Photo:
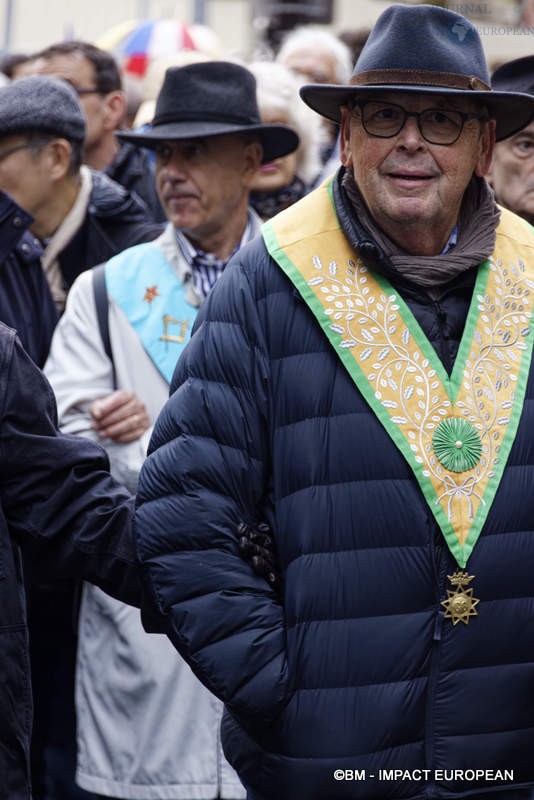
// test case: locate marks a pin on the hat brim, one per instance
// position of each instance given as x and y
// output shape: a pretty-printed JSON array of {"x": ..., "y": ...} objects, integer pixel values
[
  {"x": 276, "y": 140},
  {"x": 511, "y": 110}
]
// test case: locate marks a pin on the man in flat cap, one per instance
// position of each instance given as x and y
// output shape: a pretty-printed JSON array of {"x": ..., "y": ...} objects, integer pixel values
[
  {"x": 81, "y": 216},
  {"x": 360, "y": 379},
  {"x": 151, "y": 722}
]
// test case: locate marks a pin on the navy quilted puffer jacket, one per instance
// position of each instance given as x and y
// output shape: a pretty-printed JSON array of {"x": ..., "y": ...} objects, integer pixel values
[{"x": 356, "y": 669}]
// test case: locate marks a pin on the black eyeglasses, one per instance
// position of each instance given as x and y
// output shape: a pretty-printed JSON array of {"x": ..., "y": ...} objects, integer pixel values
[
  {"x": 436, "y": 125},
  {"x": 32, "y": 145},
  {"x": 89, "y": 90}
]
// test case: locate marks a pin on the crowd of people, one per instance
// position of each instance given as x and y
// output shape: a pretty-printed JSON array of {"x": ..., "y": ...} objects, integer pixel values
[{"x": 266, "y": 502}]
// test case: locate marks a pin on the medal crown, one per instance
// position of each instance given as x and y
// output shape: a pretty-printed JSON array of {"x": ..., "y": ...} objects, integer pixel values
[{"x": 460, "y": 579}]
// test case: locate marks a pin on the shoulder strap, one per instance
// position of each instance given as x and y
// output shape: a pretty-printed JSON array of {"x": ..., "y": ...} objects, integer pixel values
[{"x": 101, "y": 303}]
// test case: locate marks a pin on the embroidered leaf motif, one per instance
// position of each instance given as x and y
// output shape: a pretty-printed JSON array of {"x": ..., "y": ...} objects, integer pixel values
[
  {"x": 317, "y": 262},
  {"x": 332, "y": 268},
  {"x": 337, "y": 328},
  {"x": 317, "y": 280}
]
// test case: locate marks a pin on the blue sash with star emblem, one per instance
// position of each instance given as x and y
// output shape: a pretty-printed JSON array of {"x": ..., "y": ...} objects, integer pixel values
[{"x": 142, "y": 282}]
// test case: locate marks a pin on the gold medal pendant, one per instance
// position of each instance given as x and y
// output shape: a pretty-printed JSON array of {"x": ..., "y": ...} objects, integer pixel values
[{"x": 460, "y": 603}]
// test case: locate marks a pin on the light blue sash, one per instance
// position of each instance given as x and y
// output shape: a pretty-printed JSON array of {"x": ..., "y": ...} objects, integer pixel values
[{"x": 142, "y": 282}]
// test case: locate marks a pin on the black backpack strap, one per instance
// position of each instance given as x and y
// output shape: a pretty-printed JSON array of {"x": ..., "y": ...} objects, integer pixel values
[{"x": 102, "y": 312}]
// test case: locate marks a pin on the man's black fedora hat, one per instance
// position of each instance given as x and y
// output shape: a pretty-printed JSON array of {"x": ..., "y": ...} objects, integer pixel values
[
  {"x": 515, "y": 76},
  {"x": 207, "y": 99},
  {"x": 424, "y": 49}
]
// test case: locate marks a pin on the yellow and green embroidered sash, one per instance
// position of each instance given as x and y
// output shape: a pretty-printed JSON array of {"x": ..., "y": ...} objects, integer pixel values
[{"x": 455, "y": 432}]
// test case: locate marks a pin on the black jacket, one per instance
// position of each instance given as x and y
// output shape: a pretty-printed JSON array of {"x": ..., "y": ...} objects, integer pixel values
[
  {"x": 59, "y": 503},
  {"x": 134, "y": 170},
  {"x": 356, "y": 669},
  {"x": 25, "y": 300},
  {"x": 115, "y": 220}
]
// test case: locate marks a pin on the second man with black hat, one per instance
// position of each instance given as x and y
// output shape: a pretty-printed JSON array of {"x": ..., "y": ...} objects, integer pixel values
[{"x": 144, "y": 719}]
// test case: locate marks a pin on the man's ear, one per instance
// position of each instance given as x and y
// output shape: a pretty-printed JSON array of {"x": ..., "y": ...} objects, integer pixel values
[
  {"x": 344, "y": 138},
  {"x": 114, "y": 110},
  {"x": 253, "y": 155},
  {"x": 487, "y": 147},
  {"x": 58, "y": 153}
]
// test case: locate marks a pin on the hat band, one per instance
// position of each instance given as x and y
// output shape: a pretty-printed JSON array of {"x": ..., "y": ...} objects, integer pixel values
[
  {"x": 203, "y": 116},
  {"x": 444, "y": 80}
]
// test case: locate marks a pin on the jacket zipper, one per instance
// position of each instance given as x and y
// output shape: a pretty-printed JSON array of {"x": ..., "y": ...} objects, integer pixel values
[{"x": 439, "y": 568}]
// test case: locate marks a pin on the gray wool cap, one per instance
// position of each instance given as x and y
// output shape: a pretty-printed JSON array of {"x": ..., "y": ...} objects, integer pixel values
[{"x": 41, "y": 103}]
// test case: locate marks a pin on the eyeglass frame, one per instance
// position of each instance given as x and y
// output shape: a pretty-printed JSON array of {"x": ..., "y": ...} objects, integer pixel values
[
  {"x": 29, "y": 145},
  {"x": 465, "y": 117},
  {"x": 81, "y": 91}
]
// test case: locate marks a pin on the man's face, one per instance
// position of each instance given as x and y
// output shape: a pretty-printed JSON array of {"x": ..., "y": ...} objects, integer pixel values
[
  {"x": 77, "y": 70},
  {"x": 512, "y": 173},
  {"x": 414, "y": 189},
  {"x": 276, "y": 174},
  {"x": 24, "y": 172},
  {"x": 203, "y": 183}
]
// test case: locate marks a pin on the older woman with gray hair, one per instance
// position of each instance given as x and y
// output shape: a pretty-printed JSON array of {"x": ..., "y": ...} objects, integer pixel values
[{"x": 280, "y": 183}]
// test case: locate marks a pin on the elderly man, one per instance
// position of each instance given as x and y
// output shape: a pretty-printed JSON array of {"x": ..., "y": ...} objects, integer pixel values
[
  {"x": 512, "y": 169},
  {"x": 360, "y": 379},
  {"x": 95, "y": 77},
  {"x": 143, "y": 718},
  {"x": 80, "y": 215}
]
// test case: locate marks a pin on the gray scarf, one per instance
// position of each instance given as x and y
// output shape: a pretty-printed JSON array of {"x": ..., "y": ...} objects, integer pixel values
[{"x": 479, "y": 217}]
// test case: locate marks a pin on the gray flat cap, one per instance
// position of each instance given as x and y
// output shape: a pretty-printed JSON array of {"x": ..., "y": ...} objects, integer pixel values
[{"x": 41, "y": 103}]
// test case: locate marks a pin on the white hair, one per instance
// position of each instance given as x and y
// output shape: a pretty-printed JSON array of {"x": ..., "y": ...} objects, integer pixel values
[
  {"x": 315, "y": 39},
  {"x": 277, "y": 92}
]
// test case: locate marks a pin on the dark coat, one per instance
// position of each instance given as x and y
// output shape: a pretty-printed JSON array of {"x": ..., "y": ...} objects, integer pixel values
[
  {"x": 115, "y": 220},
  {"x": 59, "y": 503},
  {"x": 25, "y": 300},
  {"x": 356, "y": 670},
  {"x": 134, "y": 169}
]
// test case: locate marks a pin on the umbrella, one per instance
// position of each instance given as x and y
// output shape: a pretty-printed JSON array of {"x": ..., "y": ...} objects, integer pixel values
[
  {"x": 111, "y": 38},
  {"x": 152, "y": 39}
]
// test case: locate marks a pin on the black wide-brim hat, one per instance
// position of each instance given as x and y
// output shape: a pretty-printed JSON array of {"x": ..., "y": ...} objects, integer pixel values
[
  {"x": 424, "y": 50},
  {"x": 210, "y": 98},
  {"x": 515, "y": 76}
]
